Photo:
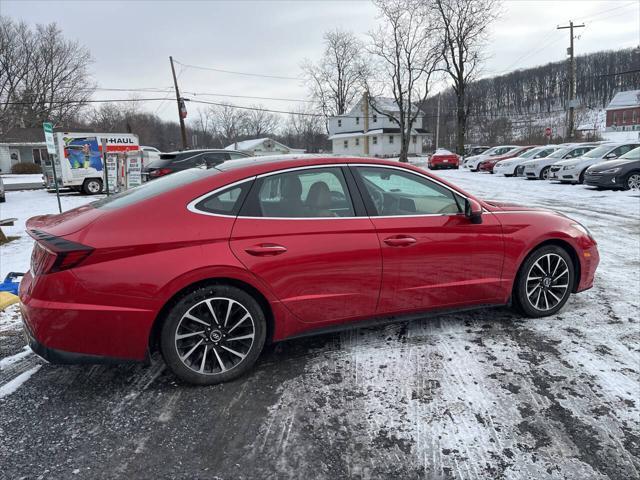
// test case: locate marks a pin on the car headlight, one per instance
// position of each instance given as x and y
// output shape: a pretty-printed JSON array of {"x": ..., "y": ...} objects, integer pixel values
[
  {"x": 568, "y": 167},
  {"x": 583, "y": 229},
  {"x": 533, "y": 165},
  {"x": 611, "y": 170}
]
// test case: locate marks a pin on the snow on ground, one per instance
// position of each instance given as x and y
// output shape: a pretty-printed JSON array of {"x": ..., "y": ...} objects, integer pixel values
[
  {"x": 475, "y": 395},
  {"x": 15, "y": 256},
  {"x": 13, "y": 178}
]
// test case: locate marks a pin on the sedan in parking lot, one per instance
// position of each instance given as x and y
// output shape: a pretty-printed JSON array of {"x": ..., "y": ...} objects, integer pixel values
[
  {"x": 208, "y": 265},
  {"x": 508, "y": 167},
  {"x": 472, "y": 162},
  {"x": 539, "y": 168},
  {"x": 573, "y": 171},
  {"x": 488, "y": 164},
  {"x": 178, "y": 161},
  {"x": 443, "y": 159},
  {"x": 623, "y": 173}
]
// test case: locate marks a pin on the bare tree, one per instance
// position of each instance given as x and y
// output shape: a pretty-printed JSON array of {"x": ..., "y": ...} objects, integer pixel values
[
  {"x": 304, "y": 129},
  {"x": 227, "y": 121},
  {"x": 406, "y": 48},
  {"x": 43, "y": 76},
  {"x": 464, "y": 27},
  {"x": 260, "y": 122},
  {"x": 334, "y": 81}
]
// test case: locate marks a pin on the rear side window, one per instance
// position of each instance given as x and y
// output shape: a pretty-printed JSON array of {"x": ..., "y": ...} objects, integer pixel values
[
  {"x": 225, "y": 202},
  {"x": 153, "y": 189}
]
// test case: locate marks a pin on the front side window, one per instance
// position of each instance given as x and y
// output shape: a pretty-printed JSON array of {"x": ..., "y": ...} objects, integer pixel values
[
  {"x": 308, "y": 193},
  {"x": 623, "y": 149},
  {"x": 396, "y": 193}
]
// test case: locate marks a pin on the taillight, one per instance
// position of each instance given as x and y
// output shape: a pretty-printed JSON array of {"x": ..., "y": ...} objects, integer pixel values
[
  {"x": 159, "y": 172},
  {"x": 53, "y": 254}
]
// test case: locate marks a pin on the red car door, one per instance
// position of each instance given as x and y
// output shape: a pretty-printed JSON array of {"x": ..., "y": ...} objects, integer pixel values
[
  {"x": 433, "y": 256},
  {"x": 299, "y": 231}
]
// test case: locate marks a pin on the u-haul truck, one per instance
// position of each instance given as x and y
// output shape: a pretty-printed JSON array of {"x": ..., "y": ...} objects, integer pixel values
[{"x": 79, "y": 160}]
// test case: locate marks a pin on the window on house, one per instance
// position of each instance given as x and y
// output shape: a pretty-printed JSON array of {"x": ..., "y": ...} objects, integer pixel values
[
  {"x": 375, "y": 140},
  {"x": 635, "y": 116},
  {"x": 390, "y": 138},
  {"x": 339, "y": 123},
  {"x": 414, "y": 139},
  {"x": 375, "y": 118},
  {"x": 615, "y": 118},
  {"x": 357, "y": 142},
  {"x": 346, "y": 144},
  {"x": 624, "y": 117},
  {"x": 357, "y": 120},
  {"x": 40, "y": 155}
]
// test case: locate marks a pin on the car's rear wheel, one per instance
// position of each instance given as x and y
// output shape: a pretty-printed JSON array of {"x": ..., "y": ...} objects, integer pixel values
[
  {"x": 632, "y": 181},
  {"x": 544, "y": 173},
  {"x": 545, "y": 282},
  {"x": 92, "y": 186},
  {"x": 213, "y": 334}
]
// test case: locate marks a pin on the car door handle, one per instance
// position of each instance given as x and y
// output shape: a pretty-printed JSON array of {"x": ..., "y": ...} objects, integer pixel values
[
  {"x": 265, "y": 250},
  {"x": 400, "y": 241}
]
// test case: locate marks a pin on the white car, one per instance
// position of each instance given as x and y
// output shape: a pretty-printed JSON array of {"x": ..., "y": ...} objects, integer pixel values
[
  {"x": 572, "y": 171},
  {"x": 539, "y": 168},
  {"x": 473, "y": 162},
  {"x": 508, "y": 167}
]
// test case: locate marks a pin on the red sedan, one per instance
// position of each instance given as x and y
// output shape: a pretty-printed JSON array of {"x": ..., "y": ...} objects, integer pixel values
[
  {"x": 208, "y": 265},
  {"x": 443, "y": 159},
  {"x": 488, "y": 164}
]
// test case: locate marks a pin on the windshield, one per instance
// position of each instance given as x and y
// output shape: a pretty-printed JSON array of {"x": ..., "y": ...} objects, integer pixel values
[
  {"x": 631, "y": 155},
  {"x": 153, "y": 188},
  {"x": 501, "y": 150},
  {"x": 599, "y": 152},
  {"x": 531, "y": 153},
  {"x": 559, "y": 153},
  {"x": 491, "y": 151}
]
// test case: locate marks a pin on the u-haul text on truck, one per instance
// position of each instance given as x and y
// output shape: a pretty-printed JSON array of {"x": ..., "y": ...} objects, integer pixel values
[{"x": 80, "y": 166}]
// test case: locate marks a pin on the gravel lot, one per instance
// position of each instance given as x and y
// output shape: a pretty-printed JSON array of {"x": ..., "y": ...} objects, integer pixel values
[{"x": 476, "y": 395}]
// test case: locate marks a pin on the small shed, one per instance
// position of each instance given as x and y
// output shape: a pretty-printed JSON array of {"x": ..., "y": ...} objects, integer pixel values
[{"x": 263, "y": 146}]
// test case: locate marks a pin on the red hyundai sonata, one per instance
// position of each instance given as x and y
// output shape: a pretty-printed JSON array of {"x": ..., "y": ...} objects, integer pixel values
[{"x": 208, "y": 265}]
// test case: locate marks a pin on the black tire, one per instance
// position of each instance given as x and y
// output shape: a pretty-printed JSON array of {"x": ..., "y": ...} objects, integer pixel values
[
  {"x": 3, "y": 199},
  {"x": 533, "y": 305},
  {"x": 92, "y": 186},
  {"x": 581, "y": 177},
  {"x": 220, "y": 360},
  {"x": 631, "y": 179},
  {"x": 544, "y": 173}
]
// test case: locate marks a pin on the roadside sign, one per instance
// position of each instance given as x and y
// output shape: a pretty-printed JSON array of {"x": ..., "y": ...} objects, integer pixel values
[{"x": 48, "y": 137}]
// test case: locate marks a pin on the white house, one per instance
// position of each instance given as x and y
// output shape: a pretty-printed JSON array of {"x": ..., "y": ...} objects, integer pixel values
[
  {"x": 371, "y": 132},
  {"x": 263, "y": 146},
  {"x": 22, "y": 145}
]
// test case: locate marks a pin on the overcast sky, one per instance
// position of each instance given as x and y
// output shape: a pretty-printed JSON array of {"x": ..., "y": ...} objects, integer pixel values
[{"x": 131, "y": 41}]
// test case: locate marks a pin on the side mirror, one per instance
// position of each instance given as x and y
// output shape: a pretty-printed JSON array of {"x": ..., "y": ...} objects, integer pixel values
[
  {"x": 473, "y": 211},
  {"x": 611, "y": 155}
]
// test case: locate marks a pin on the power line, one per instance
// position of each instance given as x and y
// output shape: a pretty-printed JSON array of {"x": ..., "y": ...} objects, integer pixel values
[
  {"x": 231, "y": 72},
  {"x": 202, "y": 94}
]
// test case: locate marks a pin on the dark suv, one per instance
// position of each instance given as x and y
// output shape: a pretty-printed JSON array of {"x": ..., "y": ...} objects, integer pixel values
[{"x": 175, "y": 161}]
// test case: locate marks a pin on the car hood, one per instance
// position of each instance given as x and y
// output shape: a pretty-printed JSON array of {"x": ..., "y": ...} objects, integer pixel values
[
  {"x": 612, "y": 164},
  {"x": 510, "y": 207},
  {"x": 570, "y": 161}
]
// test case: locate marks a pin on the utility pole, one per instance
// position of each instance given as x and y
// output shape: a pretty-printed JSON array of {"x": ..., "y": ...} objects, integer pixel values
[
  {"x": 572, "y": 75},
  {"x": 438, "y": 122},
  {"x": 182, "y": 111}
]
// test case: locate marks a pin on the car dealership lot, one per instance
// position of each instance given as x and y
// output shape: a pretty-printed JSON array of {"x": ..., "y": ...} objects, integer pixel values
[{"x": 476, "y": 395}]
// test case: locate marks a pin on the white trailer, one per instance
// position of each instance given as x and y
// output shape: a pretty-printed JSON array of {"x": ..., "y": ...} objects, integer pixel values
[{"x": 79, "y": 160}]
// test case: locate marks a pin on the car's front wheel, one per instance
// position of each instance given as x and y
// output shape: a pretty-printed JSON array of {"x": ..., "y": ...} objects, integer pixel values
[
  {"x": 213, "y": 334},
  {"x": 544, "y": 173},
  {"x": 545, "y": 282}
]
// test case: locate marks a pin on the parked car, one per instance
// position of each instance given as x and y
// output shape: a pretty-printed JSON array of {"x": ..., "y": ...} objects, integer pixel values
[
  {"x": 508, "y": 167},
  {"x": 488, "y": 164},
  {"x": 623, "y": 173},
  {"x": 176, "y": 161},
  {"x": 470, "y": 150},
  {"x": 2, "y": 195},
  {"x": 443, "y": 159},
  {"x": 573, "y": 171},
  {"x": 472, "y": 162},
  {"x": 207, "y": 265},
  {"x": 539, "y": 168},
  {"x": 149, "y": 154}
]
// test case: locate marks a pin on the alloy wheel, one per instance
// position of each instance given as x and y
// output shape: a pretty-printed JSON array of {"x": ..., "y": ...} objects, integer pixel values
[
  {"x": 633, "y": 182},
  {"x": 544, "y": 174},
  {"x": 547, "y": 282},
  {"x": 214, "y": 335}
]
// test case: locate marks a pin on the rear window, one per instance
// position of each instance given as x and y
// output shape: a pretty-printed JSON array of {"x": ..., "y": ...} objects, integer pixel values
[{"x": 154, "y": 188}]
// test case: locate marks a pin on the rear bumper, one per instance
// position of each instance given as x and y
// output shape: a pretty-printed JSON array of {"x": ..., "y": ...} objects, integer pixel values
[{"x": 74, "y": 332}]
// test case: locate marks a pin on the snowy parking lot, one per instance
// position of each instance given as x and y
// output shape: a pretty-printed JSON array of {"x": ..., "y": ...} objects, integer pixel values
[{"x": 475, "y": 395}]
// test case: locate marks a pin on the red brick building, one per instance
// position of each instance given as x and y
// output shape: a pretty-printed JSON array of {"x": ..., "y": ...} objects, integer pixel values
[{"x": 623, "y": 112}]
